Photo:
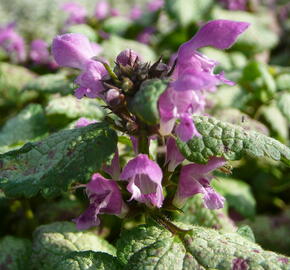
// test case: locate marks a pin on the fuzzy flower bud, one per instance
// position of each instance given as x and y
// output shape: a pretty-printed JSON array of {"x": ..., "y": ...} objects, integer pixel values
[{"x": 127, "y": 57}]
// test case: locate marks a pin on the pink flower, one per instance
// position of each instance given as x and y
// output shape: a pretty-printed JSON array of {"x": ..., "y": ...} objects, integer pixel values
[
  {"x": 114, "y": 169},
  {"x": 155, "y": 5},
  {"x": 194, "y": 74},
  {"x": 173, "y": 155},
  {"x": 105, "y": 198},
  {"x": 102, "y": 10},
  {"x": 195, "y": 178},
  {"x": 136, "y": 13},
  {"x": 75, "y": 50},
  {"x": 144, "y": 177},
  {"x": 12, "y": 43},
  {"x": 76, "y": 13},
  {"x": 83, "y": 122}
]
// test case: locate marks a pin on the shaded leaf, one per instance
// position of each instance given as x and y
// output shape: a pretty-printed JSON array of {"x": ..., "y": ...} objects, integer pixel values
[
  {"x": 194, "y": 213},
  {"x": 51, "y": 83},
  {"x": 29, "y": 124},
  {"x": 144, "y": 104},
  {"x": 53, "y": 241},
  {"x": 238, "y": 195},
  {"x": 88, "y": 260},
  {"x": 284, "y": 105},
  {"x": 52, "y": 164},
  {"x": 222, "y": 139},
  {"x": 14, "y": 253}
]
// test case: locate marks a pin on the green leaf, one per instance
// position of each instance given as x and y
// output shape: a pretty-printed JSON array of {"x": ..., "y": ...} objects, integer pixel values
[
  {"x": 51, "y": 83},
  {"x": 258, "y": 78},
  {"x": 246, "y": 232},
  {"x": 52, "y": 164},
  {"x": 153, "y": 247},
  {"x": 238, "y": 195},
  {"x": 29, "y": 124},
  {"x": 284, "y": 104},
  {"x": 84, "y": 29},
  {"x": 283, "y": 81},
  {"x": 52, "y": 242},
  {"x": 117, "y": 44},
  {"x": 88, "y": 260},
  {"x": 188, "y": 11},
  {"x": 222, "y": 139},
  {"x": 276, "y": 120},
  {"x": 12, "y": 79},
  {"x": 194, "y": 213},
  {"x": 236, "y": 117},
  {"x": 14, "y": 253},
  {"x": 144, "y": 104},
  {"x": 116, "y": 25},
  {"x": 72, "y": 108}
]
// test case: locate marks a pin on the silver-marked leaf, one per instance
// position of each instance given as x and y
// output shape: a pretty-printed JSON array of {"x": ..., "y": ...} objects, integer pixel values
[
  {"x": 153, "y": 247},
  {"x": 52, "y": 164},
  {"x": 194, "y": 213},
  {"x": 29, "y": 124},
  {"x": 51, "y": 83},
  {"x": 14, "y": 253},
  {"x": 144, "y": 104},
  {"x": 222, "y": 139},
  {"x": 73, "y": 108},
  {"x": 284, "y": 104},
  {"x": 88, "y": 260},
  {"x": 53, "y": 241}
]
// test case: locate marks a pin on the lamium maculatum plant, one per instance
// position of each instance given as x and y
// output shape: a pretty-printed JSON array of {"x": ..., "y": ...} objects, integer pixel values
[{"x": 158, "y": 110}]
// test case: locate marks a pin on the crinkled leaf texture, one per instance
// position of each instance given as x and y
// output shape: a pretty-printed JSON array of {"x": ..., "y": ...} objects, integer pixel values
[
  {"x": 222, "y": 139},
  {"x": 144, "y": 104},
  {"x": 14, "y": 253},
  {"x": 52, "y": 164},
  {"x": 54, "y": 241},
  {"x": 88, "y": 260},
  {"x": 153, "y": 247},
  {"x": 194, "y": 213}
]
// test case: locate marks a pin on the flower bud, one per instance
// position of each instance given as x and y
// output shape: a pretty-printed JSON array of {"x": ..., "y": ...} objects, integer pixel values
[
  {"x": 112, "y": 97},
  {"x": 127, "y": 57}
]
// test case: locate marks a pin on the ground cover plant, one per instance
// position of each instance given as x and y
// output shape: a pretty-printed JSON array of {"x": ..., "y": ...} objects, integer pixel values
[{"x": 144, "y": 134}]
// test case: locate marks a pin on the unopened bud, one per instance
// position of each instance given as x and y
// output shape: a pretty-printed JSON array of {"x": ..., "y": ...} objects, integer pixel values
[
  {"x": 127, "y": 57},
  {"x": 112, "y": 97}
]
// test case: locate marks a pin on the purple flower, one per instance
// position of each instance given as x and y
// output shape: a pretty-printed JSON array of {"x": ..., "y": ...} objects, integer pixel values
[
  {"x": 155, "y": 5},
  {"x": 76, "y": 13},
  {"x": 144, "y": 177},
  {"x": 235, "y": 4},
  {"x": 194, "y": 74},
  {"x": 102, "y": 10},
  {"x": 105, "y": 198},
  {"x": 12, "y": 42},
  {"x": 39, "y": 52},
  {"x": 75, "y": 50},
  {"x": 127, "y": 57},
  {"x": 135, "y": 13},
  {"x": 114, "y": 169},
  {"x": 195, "y": 178},
  {"x": 83, "y": 122},
  {"x": 240, "y": 264},
  {"x": 90, "y": 79},
  {"x": 72, "y": 50},
  {"x": 146, "y": 35},
  {"x": 173, "y": 156}
]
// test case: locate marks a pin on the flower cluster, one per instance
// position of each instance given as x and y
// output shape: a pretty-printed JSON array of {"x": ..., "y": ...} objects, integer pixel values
[{"x": 190, "y": 78}]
